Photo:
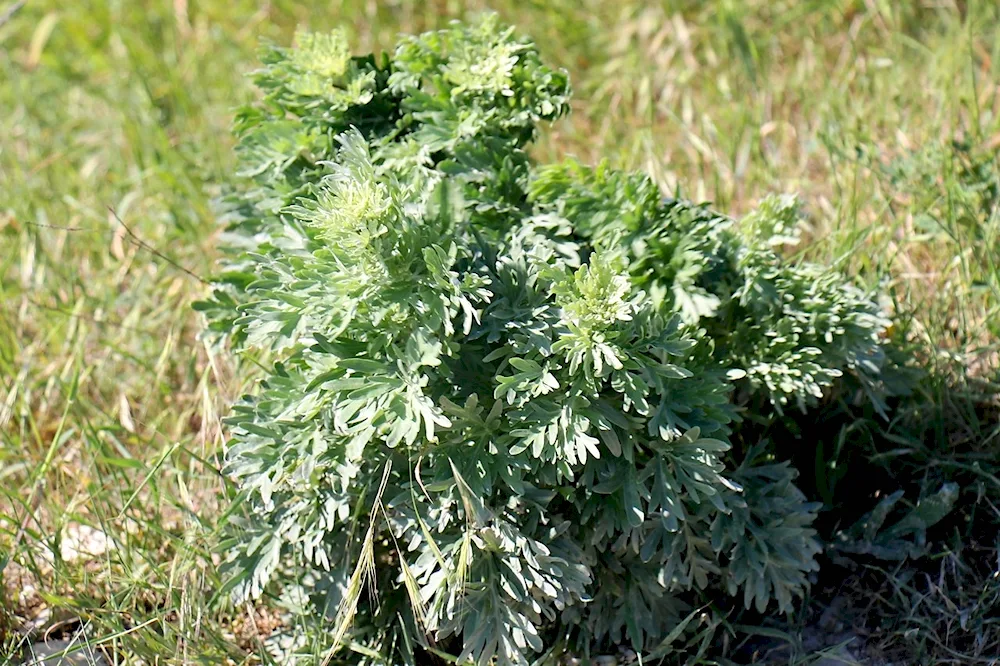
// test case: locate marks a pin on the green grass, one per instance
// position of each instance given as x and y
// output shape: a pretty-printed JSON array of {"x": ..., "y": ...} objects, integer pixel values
[{"x": 114, "y": 138}]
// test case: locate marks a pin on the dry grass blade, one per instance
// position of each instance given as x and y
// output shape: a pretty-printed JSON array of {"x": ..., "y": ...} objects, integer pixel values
[
  {"x": 8, "y": 13},
  {"x": 364, "y": 571}
]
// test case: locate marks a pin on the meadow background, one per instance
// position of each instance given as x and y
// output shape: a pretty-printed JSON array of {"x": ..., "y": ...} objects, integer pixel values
[{"x": 883, "y": 115}]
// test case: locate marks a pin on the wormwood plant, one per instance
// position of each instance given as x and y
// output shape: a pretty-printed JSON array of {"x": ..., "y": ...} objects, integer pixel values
[{"x": 502, "y": 398}]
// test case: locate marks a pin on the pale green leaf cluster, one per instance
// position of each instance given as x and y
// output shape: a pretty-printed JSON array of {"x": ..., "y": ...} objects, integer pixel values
[
  {"x": 791, "y": 329},
  {"x": 499, "y": 420}
]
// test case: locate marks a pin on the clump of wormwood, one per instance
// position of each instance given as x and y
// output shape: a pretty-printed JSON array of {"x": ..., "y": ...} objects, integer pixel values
[{"x": 504, "y": 393}]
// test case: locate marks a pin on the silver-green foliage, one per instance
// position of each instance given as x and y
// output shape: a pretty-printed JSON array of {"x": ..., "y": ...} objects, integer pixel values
[{"x": 502, "y": 399}]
